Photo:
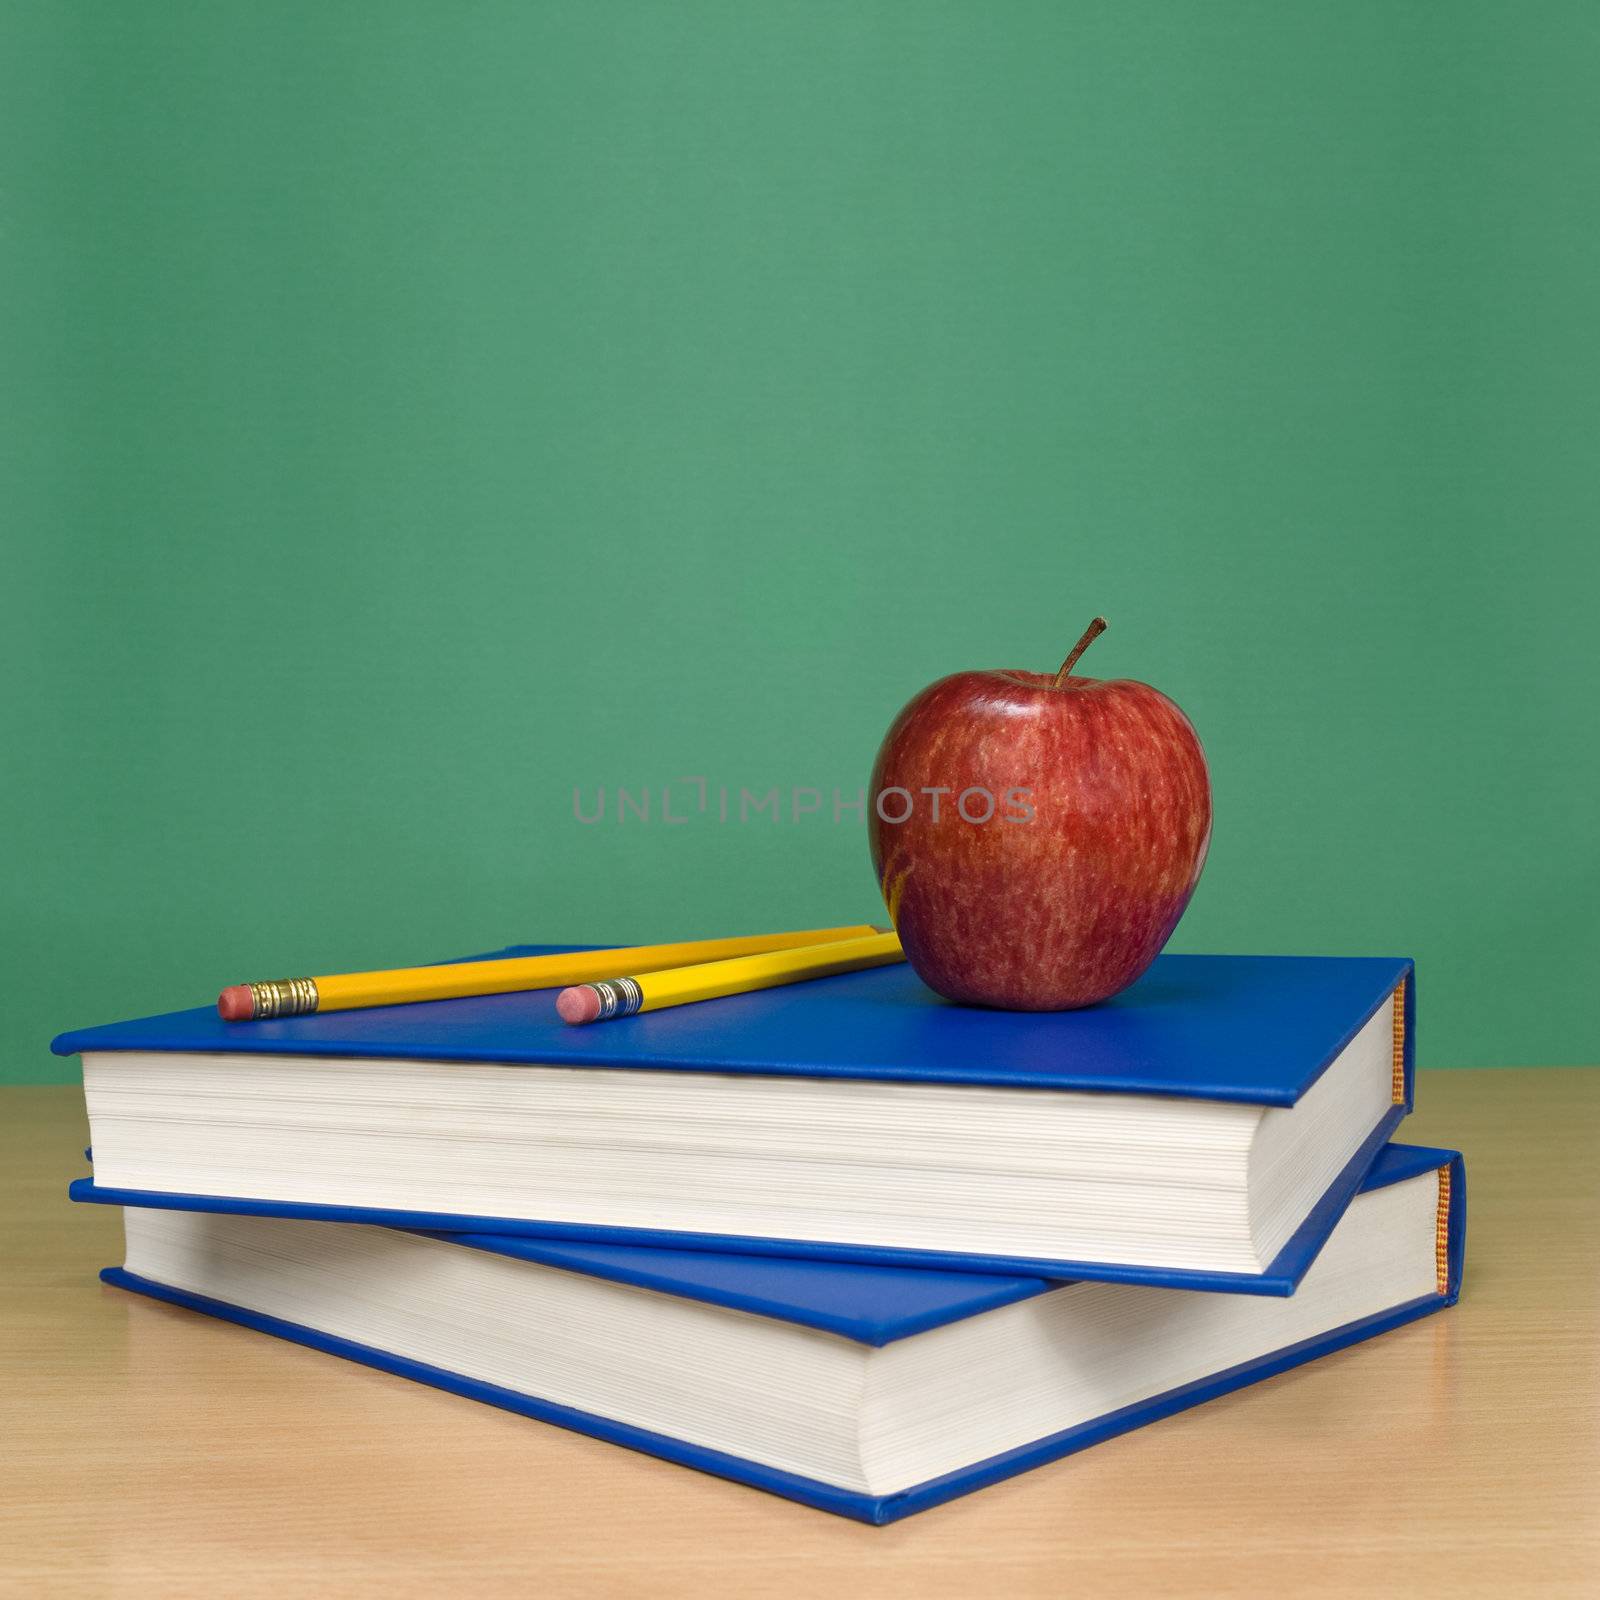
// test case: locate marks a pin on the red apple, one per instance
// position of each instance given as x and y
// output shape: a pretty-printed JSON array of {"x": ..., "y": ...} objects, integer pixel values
[{"x": 1037, "y": 836}]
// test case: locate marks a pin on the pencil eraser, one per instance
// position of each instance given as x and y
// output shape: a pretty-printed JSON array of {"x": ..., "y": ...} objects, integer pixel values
[
  {"x": 578, "y": 1004},
  {"x": 236, "y": 1003}
]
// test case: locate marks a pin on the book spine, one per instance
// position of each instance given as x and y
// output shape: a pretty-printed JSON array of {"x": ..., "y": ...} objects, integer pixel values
[
  {"x": 1404, "y": 1006},
  {"x": 1450, "y": 1246},
  {"x": 1441, "y": 1234}
]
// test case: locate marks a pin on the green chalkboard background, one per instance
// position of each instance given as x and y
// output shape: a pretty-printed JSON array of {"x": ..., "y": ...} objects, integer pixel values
[{"x": 410, "y": 413}]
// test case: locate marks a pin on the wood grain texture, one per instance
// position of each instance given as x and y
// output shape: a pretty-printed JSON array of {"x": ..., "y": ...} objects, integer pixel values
[{"x": 151, "y": 1451}]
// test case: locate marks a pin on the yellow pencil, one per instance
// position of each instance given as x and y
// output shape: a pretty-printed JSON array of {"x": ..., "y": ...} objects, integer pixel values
[
  {"x": 292, "y": 997},
  {"x": 621, "y": 997}
]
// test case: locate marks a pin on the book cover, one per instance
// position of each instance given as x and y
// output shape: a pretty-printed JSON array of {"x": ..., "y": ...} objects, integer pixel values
[{"x": 1253, "y": 1029}]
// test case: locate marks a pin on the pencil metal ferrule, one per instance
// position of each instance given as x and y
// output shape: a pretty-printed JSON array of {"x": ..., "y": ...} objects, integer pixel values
[
  {"x": 283, "y": 997},
  {"x": 619, "y": 997}
]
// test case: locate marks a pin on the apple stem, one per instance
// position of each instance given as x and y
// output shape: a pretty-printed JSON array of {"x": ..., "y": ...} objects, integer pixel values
[{"x": 1090, "y": 634}]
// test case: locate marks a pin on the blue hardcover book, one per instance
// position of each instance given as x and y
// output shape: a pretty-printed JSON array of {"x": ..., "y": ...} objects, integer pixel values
[
  {"x": 1205, "y": 1129},
  {"x": 868, "y": 1391}
]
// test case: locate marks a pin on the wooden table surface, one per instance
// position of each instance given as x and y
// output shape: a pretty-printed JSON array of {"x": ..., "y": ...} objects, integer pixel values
[{"x": 146, "y": 1450}]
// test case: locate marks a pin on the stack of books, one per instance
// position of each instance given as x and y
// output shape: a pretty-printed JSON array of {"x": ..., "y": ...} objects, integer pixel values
[{"x": 842, "y": 1241}]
